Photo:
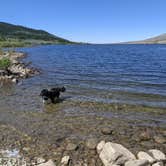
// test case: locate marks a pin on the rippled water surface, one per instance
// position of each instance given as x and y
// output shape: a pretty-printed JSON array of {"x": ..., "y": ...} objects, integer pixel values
[{"x": 133, "y": 74}]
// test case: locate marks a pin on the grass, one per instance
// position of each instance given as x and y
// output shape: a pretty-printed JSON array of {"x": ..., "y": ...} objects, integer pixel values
[
  {"x": 5, "y": 63},
  {"x": 28, "y": 42},
  {"x": 12, "y": 43}
]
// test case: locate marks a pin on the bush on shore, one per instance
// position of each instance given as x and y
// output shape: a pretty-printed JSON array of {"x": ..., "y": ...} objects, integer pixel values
[{"x": 4, "y": 63}]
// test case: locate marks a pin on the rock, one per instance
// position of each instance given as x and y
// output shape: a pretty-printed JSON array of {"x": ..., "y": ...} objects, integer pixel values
[
  {"x": 14, "y": 80},
  {"x": 26, "y": 149},
  {"x": 157, "y": 154},
  {"x": 48, "y": 163},
  {"x": 137, "y": 163},
  {"x": 40, "y": 160},
  {"x": 71, "y": 146},
  {"x": 65, "y": 160},
  {"x": 145, "y": 136},
  {"x": 158, "y": 164},
  {"x": 91, "y": 143},
  {"x": 100, "y": 146},
  {"x": 164, "y": 132},
  {"x": 145, "y": 156},
  {"x": 159, "y": 139},
  {"x": 115, "y": 154},
  {"x": 147, "y": 144},
  {"x": 106, "y": 131}
]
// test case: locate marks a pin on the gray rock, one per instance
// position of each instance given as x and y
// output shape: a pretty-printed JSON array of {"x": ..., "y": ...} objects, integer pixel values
[
  {"x": 158, "y": 164},
  {"x": 145, "y": 156},
  {"x": 65, "y": 160},
  {"x": 14, "y": 80},
  {"x": 40, "y": 160},
  {"x": 137, "y": 163},
  {"x": 159, "y": 139},
  {"x": 115, "y": 154},
  {"x": 71, "y": 146},
  {"x": 157, "y": 154},
  {"x": 26, "y": 149},
  {"x": 100, "y": 146},
  {"x": 48, "y": 163},
  {"x": 106, "y": 131},
  {"x": 145, "y": 136},
  {"x": 91, "y": 143}
]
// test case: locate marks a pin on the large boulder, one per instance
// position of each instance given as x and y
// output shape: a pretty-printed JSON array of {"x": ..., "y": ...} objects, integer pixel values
[
  {"x": 100, "y": 146},
  {"x": 145, "y": 156},
  {"x": 115, "y": 154},
  {"x": 157, "y": 154}
]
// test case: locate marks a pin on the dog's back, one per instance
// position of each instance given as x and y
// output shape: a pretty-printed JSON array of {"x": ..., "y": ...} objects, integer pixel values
[{"x": 62, "y": 89}]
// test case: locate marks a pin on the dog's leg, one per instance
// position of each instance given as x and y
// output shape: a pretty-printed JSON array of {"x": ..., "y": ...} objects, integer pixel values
[{"x": 53, "y": 100}]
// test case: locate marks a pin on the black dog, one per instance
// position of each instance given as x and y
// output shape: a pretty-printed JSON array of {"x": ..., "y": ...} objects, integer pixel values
[{"x": 49, "y": 96}]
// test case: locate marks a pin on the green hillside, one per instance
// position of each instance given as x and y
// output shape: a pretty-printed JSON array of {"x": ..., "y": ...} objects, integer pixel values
[{"x": 17, "y": 36}]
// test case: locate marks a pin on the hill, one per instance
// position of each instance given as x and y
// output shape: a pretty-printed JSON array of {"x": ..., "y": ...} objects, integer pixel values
[
  {"x": 161, "y": 39},
  {"x": 16, "y": 35}
]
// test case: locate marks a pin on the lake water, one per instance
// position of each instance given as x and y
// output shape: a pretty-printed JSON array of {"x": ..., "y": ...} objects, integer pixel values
[{"x": 133, "y": 74}]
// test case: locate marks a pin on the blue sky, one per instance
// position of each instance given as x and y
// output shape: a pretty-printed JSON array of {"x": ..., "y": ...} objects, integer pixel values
[{"x": 97, "y": 21}]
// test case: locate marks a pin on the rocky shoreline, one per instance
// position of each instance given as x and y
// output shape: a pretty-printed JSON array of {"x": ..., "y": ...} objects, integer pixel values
[
  {"x": 108, "y": 154},
  {"x": 52, "y": 139},
  {"x": 17, "y": 69}
]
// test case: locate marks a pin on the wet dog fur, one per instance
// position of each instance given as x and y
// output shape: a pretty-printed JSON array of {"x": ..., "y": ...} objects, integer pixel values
[{"x": 49, "y": 96}]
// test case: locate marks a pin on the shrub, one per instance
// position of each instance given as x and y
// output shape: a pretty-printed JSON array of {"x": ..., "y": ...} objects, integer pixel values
[
  {"x": 4, "y": 63},
  {"x": 1, "y": 51}
]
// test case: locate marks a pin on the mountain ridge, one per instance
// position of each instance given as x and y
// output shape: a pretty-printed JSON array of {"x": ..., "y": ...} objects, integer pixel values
[
  {"x": 160, "y": 39},
  {"x": 19, "y": 35}
]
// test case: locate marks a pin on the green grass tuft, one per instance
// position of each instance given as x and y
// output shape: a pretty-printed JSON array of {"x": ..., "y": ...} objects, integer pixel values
[{"x": 5, "y": 63}]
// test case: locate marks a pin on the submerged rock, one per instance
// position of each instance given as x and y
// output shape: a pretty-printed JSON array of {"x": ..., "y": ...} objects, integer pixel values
[
  {"x": 106, "y": 131},
  {"x": 145, "y": 136},
  {"x": 91, "y": 143},
  {"x": 71, "y": 146},
  {"x": 159, "y": 139}
]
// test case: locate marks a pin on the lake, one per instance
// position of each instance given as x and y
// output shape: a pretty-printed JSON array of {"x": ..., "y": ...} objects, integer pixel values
[{"x": 128, "y": 74}]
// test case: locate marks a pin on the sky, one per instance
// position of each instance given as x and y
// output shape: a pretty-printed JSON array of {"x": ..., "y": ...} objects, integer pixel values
[{"x": 94, "y": 21}]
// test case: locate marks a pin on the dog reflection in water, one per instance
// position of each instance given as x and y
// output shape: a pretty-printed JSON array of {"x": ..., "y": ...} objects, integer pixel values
[{"x": 52, "y": 95}]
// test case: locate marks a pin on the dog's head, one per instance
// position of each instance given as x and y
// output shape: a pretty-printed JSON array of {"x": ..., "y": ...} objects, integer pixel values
[
  {"x": 63, "y": 89},
  {"x": 45, "y": 96}
]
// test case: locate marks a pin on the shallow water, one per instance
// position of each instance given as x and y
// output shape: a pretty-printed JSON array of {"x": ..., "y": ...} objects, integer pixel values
[{"x": 132, "y": 74}]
